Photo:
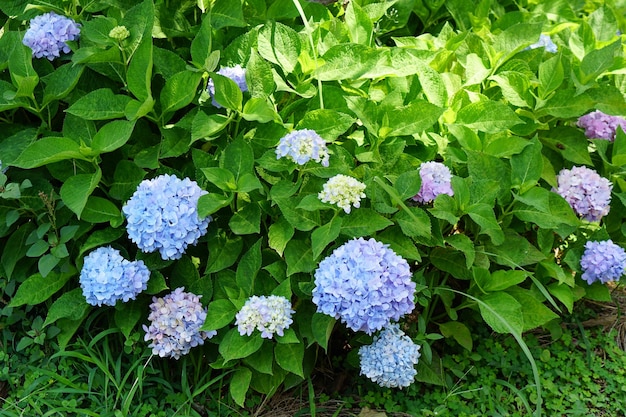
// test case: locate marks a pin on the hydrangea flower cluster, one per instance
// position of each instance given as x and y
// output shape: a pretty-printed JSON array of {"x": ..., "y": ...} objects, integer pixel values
[
  {"x": 436, "y": 179},
  {"x": 586, "y": 191},
  {"x": 365, "y": 284},
  {"x": 270, "y": 315},
  {"x": 544, "y": 42},
  {"x": 175, "y": 322},
  {"x": 162, "y": 215},
  {"x": 107, "y": 277},
  {"x": 599, "y": 125},
  {"x": 48, "y": 34},
  {"x": 303, "y": 145},
  {"x": 344, "y": 191},
  {"x": 390, "y": 361},
  {"x": 236, "y": 73},
  {"x": 603, "y": 261},
  {"x": 119, "y": 33}
]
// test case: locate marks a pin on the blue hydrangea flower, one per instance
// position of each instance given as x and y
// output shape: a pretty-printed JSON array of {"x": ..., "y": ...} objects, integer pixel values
[
  {"x": 301, "y": 146},
  {"x": 390, "y": 361},
  {"x": 544, "y": 42},
  {"x": 107, "y": 277},
  {"x": 48, "y": 34},
  {"x": 365, "y": 284},
  {"x": 270, "y": 315},
  {"x": 436, "y": 179},
  {"x": 586, "y": 191},
  {"x": 603, "y": 261},
  {"x": 236, "y": 73},
  {"x": 344, "y": 191},
  {"x": 175, "y": 322},
  {"x": 599, "y": 125},
  {"x": 162, "y": 215}
]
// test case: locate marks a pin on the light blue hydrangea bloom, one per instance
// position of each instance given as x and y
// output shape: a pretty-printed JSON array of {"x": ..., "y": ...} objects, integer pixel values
[
  {"x": 107, "y": 277},
  {"x": 586, "y": 191},
  {"x": 162, "y": 215},
  {"x": 236, "y": 73},
  {"x": 48, "y": 34},
  {"x": 175, "y": 322},
  {"x": 603, "y": 261},
  {"x": 544, "y": 42},
  {"x": 436, "y": 178},
  {"x": 301, "y": 146},
  {"x": 270, "y": 315},
  {"x": 344, "y": 191},
  {"x": 365, "y": 284},
  {"x": 390, "y": 361},
  {"x": 599, "y": 125}
]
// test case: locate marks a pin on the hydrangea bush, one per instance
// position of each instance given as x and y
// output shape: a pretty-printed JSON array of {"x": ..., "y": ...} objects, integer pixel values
[{"x": 312, "y": 173}]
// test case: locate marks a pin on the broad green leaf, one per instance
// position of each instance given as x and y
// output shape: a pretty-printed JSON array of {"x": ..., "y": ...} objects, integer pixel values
[
  {"x": 223, "y": 252},
  {"x": 506, "y": 309},
  {"x": 100, "y": 238},
  {"x": 101, "y": 210},
  {"x": 534, "y": 312},
  {"x": 23, "y": 75},
  {"x": 459, "y": 332},
  {"x": 515, "y": 88},
  {"x": 259, "y": 77},
  {"x": 126, "y": 178},
  {"x": 212, "y": 202},
  {"x": 363, "y": 222},
  {"x": 156, "y": 283},
  {"x": 324, "y": 235},
  {"x": 126, "y": 317},
  {"x": 464, "y": 244},
  {"x": 399, "y": 243},
  {"x": 551, "y": 75},
  {"x": 220, "y": 313},
  {"x": 598, "y": 292},
  {"x": 262, "y": 360},
  {"x": 484, "y": 216},
  {"x": 260, "y": 110},
  {"x": 432, "y": 84},
  {"x": 225, "y": 13},
  {"x": 451, "y": 261},
  {"x": 290, "y": 357},
  {"x": 76, "y": 190},
  {"x": 347, "y": 61},
  {"x": 487, "y": 116},
  {"x": 61, "y": 82},
  {"x": 112, "y": 136},
  {"x": 48, "y": 150},
  {"x": 202, "y": 44},
  {"x": 235, "y": 346},
  {"x": 248, "y": 268},
  {"x": 414, "y": 222},
  {"x": 299, "y": 257},
  {"x": 280, "y": 233},
  {"x": 408, "y": 184},
  {"x": 221, "y": 178},
  {"x": 526, "y": 167},
  {"x": 598, "y": 61},
  {"x": 15, "y": 248},
  {"x": 515, "y": 251},
  {"x": 280, "y": 45},
  {"x": 360, "y": 26},
  {"x": 566, "y": 103},
  {"x": 299, "y": 219},
  {"x": 412, "y": 119},
  {"x": 207, "y": 126},
  {"x": 564, "y": 294},
  {"x": 179, "y": 91},
  {"x": 139, "y": 74},
  {"x": 37, "y": 288},
  {"x": 327, "y": 123},
  {"x": 247, "y": 220},
  {"x": 100, "y": 104},
  {"x": 544, "y": 208},
  {"x": 227, "y": 92},
  {"x": 498, "y": 280},
  {"x": 322, "y": 326},
  {"x": 239, "y": 384},
  {"x": 515, "y": 38},
  {"x": 139, "y": 21},
  {"x": 238, "y": 157}
]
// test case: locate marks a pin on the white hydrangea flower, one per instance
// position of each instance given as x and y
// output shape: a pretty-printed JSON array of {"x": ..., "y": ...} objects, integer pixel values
[{"x": 344, "y": 191}]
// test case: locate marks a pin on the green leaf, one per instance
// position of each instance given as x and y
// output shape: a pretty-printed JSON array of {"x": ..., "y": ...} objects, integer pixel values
[
  {"x": 464, "y": 244},
  {"x": 112, "y": 136},
  {"x": 565, "y": 104},
  {"x": 126, "y": 178},
  {"x": 414, "y": 222},
  {"x": 221, "y": 178},
  {"x": 487, "y": 116},
  {"x": 239, "y": 385},
  {"x": 363, "y": 222},
  {"x": 534, "y": 312},
  {"x": 327, "y": 123},
  {"x": 37, "y": 288},
  {"x": 206, "y": 126},
  {"x": 100, "y": 238},
  {"x": 212, "y": 202},
  {"x": 360, "y": 26},
  {"x": 401, "y": 244},
  {"x": 413, "y": 118},
  {"x": 598, "y": 61},
  {"x": 280, "y": 45},
  {"x": 290, "y": 357},
  {"x": 76, "y": 190},
  {"x": 459, "y": 332},
  {"x": 23, "y": 75},
  {"x": 225, "y": 13},
  {"x": 259, "y": 77},
  {"x": 526, "y": 167},
  {"x": 220, "y": 313},
  {"x": 249, "y": 267},
  {"x": 347, "y": 61},
  {"x": 498, "y": 280},
  {"x": 564, "y": 294},
  {"x": 71, "y": 305},
  {"x": 235, "y": 346},
  {"x": 126, "y": 317},
  {"x": 544, "y": 208},
  {"x": 484, "y": 216},
  {"x": 48, "y": 150},
  {"x": 227, "y": 92},
  {"x": 300, "y": 219},
  {"x": 280, "y": 233},
  {"x": 507, "y": 309},
  {"x": 408, "y": 184},
  {"x": 223, "y": 252},
  {"x": 100, "y": 104},
  {"x": 61, "y": 82},
  {"x": 598, "y": 292},
  {"x": 238, "y": 157},
  {"x": 324, "y": 235},
  {"x": 551, "y": 75},
  {"x": 322, "y": 326},
  {"x": 101, "y": 210},
  {"x": 247, "y": 220},
  {"x": 202, "y": 44},
  {"x": 515, "y": 251},
  {"x": 451, "y": 261},
  {"x": 156, "y": 283},
  {"x": 262, "y": 360},
  {"x": 179, "y": 91},
  {"x": 259, "y": 110},
  {"x": 299, "y": 257},
  {"x": 139, "y": 74}
]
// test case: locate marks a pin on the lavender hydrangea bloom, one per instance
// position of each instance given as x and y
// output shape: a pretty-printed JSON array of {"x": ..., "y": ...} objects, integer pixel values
[
  {"x": 162, "y": 215},
  {"x": 301, "y": 146},
  {"x": 586, "y": 191},
  {"x": 365, "y": 284},
  {"x": 236, "y": 73},
  {"x": 107, "y": 277},
  {"x": 599, "y": 125},
  {"x": 436, "y": 179},
  {"x": 544, "y": 42},
  {"x": 48, "y": 34},
  {"x": 344, "y": 191},
  {"x": 603, "y": 261},
  {"x": 175, "y": 322},
  {"x": 390, "y": 361},
  {"x": 270, "y": 315}
]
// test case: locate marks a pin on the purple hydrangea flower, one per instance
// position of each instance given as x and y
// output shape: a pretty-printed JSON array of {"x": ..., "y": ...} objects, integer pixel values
[
  {"x": 344, "y": 191},
  {"x": 107, "y": 277},
  {"x": 544, "y": 42},
  {"x": 270, "y": 315},
  {"x": 365, "y": 284},
  {"x": 236, "y": 73},
  {"x": 175, "y": 322},
  {"x": 603, "y": 261},
  {"x": 586, "y": 191},
  {"x": 390, "y": 361},
  {"x": 48, "y": 34},
  {"x": 301, "y": 146},
  {"x": 162, "y": 215},
  {"x": 599, "y": 125},
  {"x": 436, "y": 179}
]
